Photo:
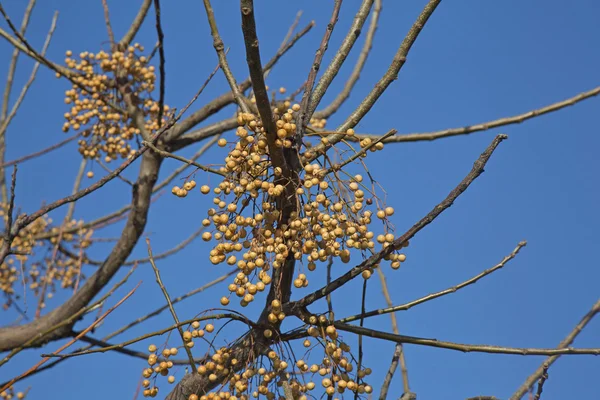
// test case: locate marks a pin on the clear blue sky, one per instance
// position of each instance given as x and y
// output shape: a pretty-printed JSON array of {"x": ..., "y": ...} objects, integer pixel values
[{"x": 475, "y": 61}]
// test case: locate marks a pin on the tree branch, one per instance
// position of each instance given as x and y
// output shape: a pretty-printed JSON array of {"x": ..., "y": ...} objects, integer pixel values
[
  {"x": 297, "y": 307},
  {"x": 530, "y": 381},
  {"x": 432, "y": 296},
  {"x": 466, "y": 348}
]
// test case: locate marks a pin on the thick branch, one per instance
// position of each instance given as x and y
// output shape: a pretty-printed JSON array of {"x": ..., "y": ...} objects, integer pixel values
[{"x": 16, "y": 336}]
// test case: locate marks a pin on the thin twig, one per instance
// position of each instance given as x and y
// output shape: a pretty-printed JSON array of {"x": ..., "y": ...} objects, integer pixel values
[
  {"x": 432, "y": 296},
  {"x": 530, "y": 381},
  {"x": 340, "y": 57},
  {"x": 380, "y": 87},
  {"x": 168, "y": 299},
  {"x": 166, "y": 154},
  {"x": 467, "y": 348},
  {"x": 111, "y": 35},
  {"x": 398, "y": 351},
  {"x": 107, "y": 169},
  {"x": 360, "y": 153},
  {"x": 540, "y": 386},
  {"x": 151, "y": 334},
  {"x": 358, "y": 67},
  {"x": 515, "y": 119},
  {"x": 41, "y": 152},
  {"x": 220, "y": 49},
  {"x": 161, "y": 65},
  {"x": 304, "y": 114}
]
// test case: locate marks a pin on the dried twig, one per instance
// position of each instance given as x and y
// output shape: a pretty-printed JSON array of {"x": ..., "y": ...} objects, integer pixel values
[
  {"x": 530, "y": 381},
  {"x": 358, "y": 67},
  {"x": 540, "y": 386},
  {"x": 429, "y": 297},
  {"x": 136, "y": 24},
  {"x": 41, "y": 152},
  {"x": 173, "y": 313},
  {"x": 305, "y": 113},
  {"x": 109, "y": 30},
  {"x": 398, "y": 351},
  {"x": 161, "y": 65},
  {"x": 166, "y": 154},
  {"x": 380, "y": 87},
  {"x": 340, "y": 57},
  {"x": 467, "y": 348},
  {"x": 515, "y": 119},
  {"x": 220, "y": 49}
]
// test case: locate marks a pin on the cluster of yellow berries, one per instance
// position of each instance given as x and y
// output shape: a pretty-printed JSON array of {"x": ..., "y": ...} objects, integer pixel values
[
  {"x": 183, "y": 191},
  {"x": 112, "y": 81},
  {"x": 60, "y": 270},
  {"x": 330, "y": 221},
  {"x": 335, "y": 372},
  {"x": 9, "y": 394},
  {"x": 159, "y": 363}
]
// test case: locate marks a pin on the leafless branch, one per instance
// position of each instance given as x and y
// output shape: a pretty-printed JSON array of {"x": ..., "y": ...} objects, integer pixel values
[
  {"x": 258, "y": 83},
  {"x": 111, "y": 35},
  {"x": 435, "y": 295},
  {"x": 305, "y": 113},
  {"x": 340, "y": 57},
  {"x": 530, "y": 381},
  {"x": 380, "y": 87},
  {"x": 220, "y": 49},
  {"x": 168, "y": 299},
  {"x": 136, "y": 24},
  {"x": 478, "y": 167},
  {"x": 41, "y": 152},
  {"x": 161, "y": 65},
  {"x": 467, "y": 348},
  {"x": 515, "y": 119},
  {"x": 358, "y": 67}
]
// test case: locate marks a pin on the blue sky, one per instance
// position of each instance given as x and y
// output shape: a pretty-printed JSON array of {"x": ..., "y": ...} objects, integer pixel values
[{"x": 475, "y": 61}]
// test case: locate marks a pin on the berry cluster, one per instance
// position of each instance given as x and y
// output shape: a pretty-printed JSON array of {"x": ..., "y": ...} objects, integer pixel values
[
  {"x": 54, "y": 269},
  {"x": 104, "y": 83},
  {"x": 330, "y": 221}
]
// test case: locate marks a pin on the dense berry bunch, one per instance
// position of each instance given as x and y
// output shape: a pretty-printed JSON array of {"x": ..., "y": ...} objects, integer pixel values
[
  {"x": 331, "y": 218},
  {"x": 54, "y": 268},
  {"x": 106, "y": 84},
  {"x": 335, "y": 371}
]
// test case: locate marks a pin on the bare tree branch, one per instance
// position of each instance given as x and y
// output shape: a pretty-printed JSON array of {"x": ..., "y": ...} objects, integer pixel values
[
  {"x": 467, "y": 348},
  {"x": 515, "y": 119},
  {"x": 358, "y": 67},
  {"x": 168, "y": 299},
  {"x": 380, "y": 87},
  {"x": 432, "y": 296},
  {"x": 297, "y": 307},
  {"x": 305, "y": 110},
  {"x": 530, "y": 381},
  {"x": 136, "y": 24}
]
